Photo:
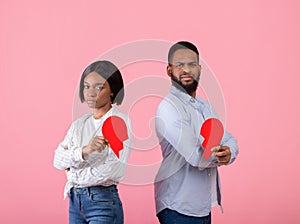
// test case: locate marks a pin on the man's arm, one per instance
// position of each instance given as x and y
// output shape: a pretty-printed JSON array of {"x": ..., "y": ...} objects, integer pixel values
[
  {"x": 175, "y": 129},
  {"x": 228, "y": 151}
]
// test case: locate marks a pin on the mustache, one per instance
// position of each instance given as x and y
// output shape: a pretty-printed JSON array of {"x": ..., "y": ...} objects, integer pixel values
[
  {"x": 185, "y": 88},
  {"x": 185, "y": 76},
  {"x": 193, "y": 76}
]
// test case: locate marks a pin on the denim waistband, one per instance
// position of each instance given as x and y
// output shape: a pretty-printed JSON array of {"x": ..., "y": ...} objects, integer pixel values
[{"x": 94, "y": 189}]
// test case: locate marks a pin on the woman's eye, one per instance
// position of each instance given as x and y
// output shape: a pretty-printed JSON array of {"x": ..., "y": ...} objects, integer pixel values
[
  {"x": 85, "y": 87},
  {"x": 99, "y": 88}
]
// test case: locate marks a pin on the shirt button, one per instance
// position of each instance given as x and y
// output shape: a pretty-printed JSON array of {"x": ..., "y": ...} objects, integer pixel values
[{"x": 209, "y": 174}]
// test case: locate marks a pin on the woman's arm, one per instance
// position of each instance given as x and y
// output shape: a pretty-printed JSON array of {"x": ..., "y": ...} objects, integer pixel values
[
  {"x": 103, "y": 165},
  {"x": 67, "y": 153}
]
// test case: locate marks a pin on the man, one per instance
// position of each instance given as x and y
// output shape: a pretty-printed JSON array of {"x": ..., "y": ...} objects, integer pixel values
[{"x": 187, "y": 185}]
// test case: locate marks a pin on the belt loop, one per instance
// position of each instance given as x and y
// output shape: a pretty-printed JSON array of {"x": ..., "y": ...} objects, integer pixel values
[{"x": 88, "y": 191}]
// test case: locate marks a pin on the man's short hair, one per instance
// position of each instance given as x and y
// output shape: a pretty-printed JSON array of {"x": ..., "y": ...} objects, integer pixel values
[{"x": 182, "y": 45}]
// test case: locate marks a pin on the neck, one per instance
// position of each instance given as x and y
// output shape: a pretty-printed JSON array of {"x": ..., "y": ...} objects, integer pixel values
[
  {"x": 100, "y": 112},
  {"x": 193, "y": 94},
  {"x": 190, "y": 89}
]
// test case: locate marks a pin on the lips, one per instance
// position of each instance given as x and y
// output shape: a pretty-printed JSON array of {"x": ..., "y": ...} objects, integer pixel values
[
  {"x": 186, "y": 78},
  {"x": 89, "y": 101}
]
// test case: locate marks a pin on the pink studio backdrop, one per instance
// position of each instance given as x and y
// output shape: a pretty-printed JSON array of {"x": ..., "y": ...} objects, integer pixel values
[{"x": 251, "y": 46}]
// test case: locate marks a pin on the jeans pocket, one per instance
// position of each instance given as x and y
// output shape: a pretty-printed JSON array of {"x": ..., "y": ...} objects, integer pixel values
[
  {"x": 117, "y": 199},
  {"x": 69, "y": 194},
  {"x": 104, "y": 198}
]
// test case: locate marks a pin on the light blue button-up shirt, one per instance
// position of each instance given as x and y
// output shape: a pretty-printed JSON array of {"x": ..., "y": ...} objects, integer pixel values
[{"x": 186, "y": 182}]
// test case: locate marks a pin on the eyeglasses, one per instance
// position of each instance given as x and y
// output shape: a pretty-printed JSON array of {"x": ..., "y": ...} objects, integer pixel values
[{"x": 182, "y": 65}]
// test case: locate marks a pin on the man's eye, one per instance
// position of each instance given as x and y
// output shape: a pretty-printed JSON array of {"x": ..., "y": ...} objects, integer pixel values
[
  {"x": 193, "y": 65},
  {"x": 86, "y": 87},
  {"x": 180, "y": 65}
]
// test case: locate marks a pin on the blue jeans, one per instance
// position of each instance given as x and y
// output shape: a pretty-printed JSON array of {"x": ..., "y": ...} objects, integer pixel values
[
  {"x": 95, "y": 205},
  {"x": 168, "y": 216}
]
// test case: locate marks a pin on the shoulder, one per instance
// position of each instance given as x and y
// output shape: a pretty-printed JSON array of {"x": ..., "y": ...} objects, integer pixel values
[
  {"x": 169, "y": 106},
  {"x": 81, "y": 119},
  {"x": 117, "y": 112}
]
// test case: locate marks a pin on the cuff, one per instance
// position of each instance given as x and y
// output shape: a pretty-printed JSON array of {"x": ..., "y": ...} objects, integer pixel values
[
  {"x": 71, "y": 177},
  {"x": 232, "y": 158},
  {"x": 78, "y": 155}
]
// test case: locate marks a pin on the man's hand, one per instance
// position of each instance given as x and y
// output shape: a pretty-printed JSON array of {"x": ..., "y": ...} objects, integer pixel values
[{"x": 223, "y": 154}]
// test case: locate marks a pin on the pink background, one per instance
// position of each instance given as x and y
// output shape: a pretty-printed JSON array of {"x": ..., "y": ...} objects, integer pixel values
[{"x": 252, "y": 47}]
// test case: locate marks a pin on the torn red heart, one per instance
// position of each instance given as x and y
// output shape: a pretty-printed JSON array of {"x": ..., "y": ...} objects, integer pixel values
[
  {"x": 212, "y": 131},
  {"x": 114, "y": 129}
]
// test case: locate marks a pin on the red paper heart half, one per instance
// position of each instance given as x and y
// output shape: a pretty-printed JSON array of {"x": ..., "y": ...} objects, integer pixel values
[
  {"x": 212, "y": 131},
  {"x": 114, "y": 129}
]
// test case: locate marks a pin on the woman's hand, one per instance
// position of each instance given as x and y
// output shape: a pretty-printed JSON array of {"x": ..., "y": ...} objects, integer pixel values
[
  {"x": 68, "y": 169},
  {"x": 98, "y": 143}
]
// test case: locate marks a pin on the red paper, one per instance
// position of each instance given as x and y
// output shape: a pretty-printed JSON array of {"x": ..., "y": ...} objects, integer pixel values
[
  {"x": 115, "y": 131},
  {"x": 212, "y": 130}
]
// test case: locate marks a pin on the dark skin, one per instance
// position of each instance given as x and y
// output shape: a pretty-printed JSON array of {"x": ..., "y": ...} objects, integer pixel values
[
  {"x": 223, "y": 154},
  {"x": 97, "y": 95},
  {"x": 185, "y": 67}
]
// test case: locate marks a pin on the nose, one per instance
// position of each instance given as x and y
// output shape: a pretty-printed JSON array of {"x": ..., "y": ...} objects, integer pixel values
[
  {"x": 186, "y": 68},
  {"x": 92, "y": 92}
]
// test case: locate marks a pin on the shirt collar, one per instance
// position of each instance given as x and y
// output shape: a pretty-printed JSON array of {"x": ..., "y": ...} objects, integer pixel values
[
  {"x": 186, "y": 98},
  {"x": 111, "y": 112}
]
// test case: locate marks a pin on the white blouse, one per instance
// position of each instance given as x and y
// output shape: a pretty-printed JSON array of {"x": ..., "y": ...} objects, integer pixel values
[{"x": 103, "y": 168}]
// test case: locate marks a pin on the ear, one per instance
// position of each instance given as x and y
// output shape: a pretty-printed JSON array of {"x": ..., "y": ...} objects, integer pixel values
[{"x": 169, "y": 71}]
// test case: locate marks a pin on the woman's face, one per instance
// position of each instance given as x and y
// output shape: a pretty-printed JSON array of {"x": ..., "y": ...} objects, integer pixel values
[{"x": 96, "y": 91}]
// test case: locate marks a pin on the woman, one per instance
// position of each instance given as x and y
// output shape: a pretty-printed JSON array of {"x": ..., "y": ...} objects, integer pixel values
[{"x": 93, "y": 170}]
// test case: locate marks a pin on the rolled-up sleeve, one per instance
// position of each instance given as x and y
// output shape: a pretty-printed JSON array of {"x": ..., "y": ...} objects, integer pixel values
[
  {"x": 108, "y": 167},
  {"x": 173, "y": 127},
  {"x": 230, "y": 141},
  {"x": 63, "y": 158}
]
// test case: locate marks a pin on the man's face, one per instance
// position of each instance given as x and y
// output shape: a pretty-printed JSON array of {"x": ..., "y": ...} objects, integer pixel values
[{"x": 185, "y": 69}]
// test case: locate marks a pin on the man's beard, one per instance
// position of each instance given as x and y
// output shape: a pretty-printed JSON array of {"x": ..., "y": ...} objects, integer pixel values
[{"x": 185, "y": 88}]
